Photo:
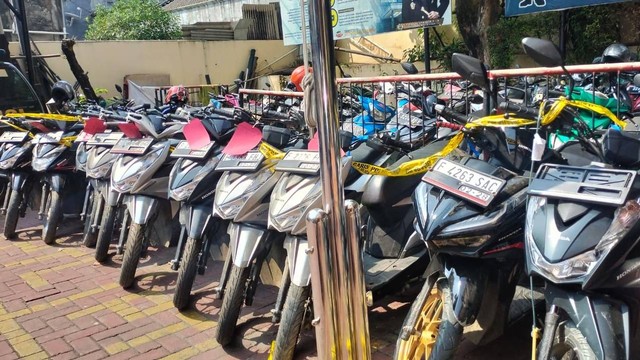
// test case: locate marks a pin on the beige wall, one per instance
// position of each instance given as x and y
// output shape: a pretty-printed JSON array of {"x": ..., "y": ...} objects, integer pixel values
[{"x": 186, "y": 62}]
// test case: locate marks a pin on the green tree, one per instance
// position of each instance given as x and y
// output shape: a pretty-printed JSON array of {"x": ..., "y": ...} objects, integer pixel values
[{"x": 133, "y": 20}]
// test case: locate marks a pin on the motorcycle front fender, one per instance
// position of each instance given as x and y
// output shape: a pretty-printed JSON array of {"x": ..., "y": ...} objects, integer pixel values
[
  {"x": 141, "y": 208},
  {"x": 18, "y": 179},
  {"x": 467, "y": 282},
  {"x": 245, "y": 242},
  {"x": 298, "y": 260},
  {"x": 197, "y": 220},
  {"x": 57, "y": 182},
  {"x": 605, "y": 323},
  {"x": 114, "y": 198}
]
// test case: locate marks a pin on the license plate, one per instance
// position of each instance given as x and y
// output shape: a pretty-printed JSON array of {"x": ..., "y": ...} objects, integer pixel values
[
  {"x": 131, "y": 146},
  {"x": 48, "y": 138},
  {"x": 106, "y": 139},
  {"x": 300, "y": 161},
  {"x": 247, "y": 162},
  {"x": 83, "y": 137},
  {"x": 472, "y": 185},
  {"x": 13, "y": 137},
  {"x": 183, "y": 150}
]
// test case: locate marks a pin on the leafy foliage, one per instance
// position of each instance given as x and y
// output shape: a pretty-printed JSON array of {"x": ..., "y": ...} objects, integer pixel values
[
  {"x": 591, "y": 30},
  {"x": 439, "y": 51},
  {"x": 133, "y": 20}
]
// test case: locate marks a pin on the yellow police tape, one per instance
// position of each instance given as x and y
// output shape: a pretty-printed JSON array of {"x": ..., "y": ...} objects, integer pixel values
[
  {"x": 270, "y": 152},
  {"x": 16, "y": 127},
  {"x": 44, "y": 116},
  {"x": 420, "y": 166}
]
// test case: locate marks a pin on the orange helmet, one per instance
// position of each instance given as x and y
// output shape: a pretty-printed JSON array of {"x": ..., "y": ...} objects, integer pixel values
[
  {"x": 177, "y": 94},
  {"x": 297, "y": 75}
]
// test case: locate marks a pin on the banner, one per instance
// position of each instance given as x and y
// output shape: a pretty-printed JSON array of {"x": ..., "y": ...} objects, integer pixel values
[
  {"x": 521, "y": 7},
  {"x": 353, "y": 18}
]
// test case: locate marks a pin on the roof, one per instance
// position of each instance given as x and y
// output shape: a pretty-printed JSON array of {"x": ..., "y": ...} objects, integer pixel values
[{"x": 170, "y": 5}]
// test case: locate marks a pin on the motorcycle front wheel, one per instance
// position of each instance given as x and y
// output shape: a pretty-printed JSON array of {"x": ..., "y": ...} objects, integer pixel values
[
  {"x": 437, "y": 334},
  {"x": 105, "y": 233},
  {"x": 231, "y": 304},
  {"x": 54, "y": 215},
  {"x": 90, "y": 235},
  {"x": 13, "y": 212},
  {"x": 187, "y": 273},
  {"x": 291, "y": 322},
  {"x": 570, "y": 344},
  {"x": 132, "y": 253}
]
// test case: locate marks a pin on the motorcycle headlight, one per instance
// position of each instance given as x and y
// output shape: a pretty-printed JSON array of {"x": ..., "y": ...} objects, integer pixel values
[
  {"x": 183, "y": 192},
  {"x": 579, "y": 267},
  {"x": 290, "y": 201},
  {"x": 10, "y": 162},
  {"x": 235, "y": 189},
  {"x": 43, "y": 162},
  {"x": 100, "y": 171},
  {"x": 126, "y": 174}
]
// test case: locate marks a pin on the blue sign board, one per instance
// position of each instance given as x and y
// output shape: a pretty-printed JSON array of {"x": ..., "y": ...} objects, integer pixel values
[{"x": 522, "y": 7}]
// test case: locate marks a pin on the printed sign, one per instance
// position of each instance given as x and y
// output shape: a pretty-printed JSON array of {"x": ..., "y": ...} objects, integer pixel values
[
  {"x": 354, "y": 18},
  {"x": 521, "y": 7}
]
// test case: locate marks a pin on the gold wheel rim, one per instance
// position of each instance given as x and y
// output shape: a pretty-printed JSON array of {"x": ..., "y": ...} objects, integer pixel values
[{"x": 421, "y": 342}]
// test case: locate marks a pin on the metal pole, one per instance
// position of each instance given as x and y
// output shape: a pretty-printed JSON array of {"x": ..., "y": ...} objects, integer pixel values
[
  {"x": 23, "y": 34},
  {"x": 427, "y": 53},
  {"x": 305, "y": 42},
  {"x": 337, "y": 326},
  {"x": 563, "y": 32}
]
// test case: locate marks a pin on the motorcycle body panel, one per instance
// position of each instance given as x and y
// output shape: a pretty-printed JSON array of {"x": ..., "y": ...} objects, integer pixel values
[{"x": 245, "y": 241}]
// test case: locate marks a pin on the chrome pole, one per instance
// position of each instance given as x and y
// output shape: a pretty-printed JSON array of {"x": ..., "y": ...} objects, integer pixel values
[{"x": 339, "y": 330}]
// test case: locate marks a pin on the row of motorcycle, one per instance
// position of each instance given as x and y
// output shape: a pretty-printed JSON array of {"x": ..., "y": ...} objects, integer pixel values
[{"x": 481, "y": 208}]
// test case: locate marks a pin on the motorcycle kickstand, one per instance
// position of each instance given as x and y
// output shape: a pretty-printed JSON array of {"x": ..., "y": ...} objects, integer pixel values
[
  {"x": 276, "y": 312},
  {"x": 175, "y": 263}
]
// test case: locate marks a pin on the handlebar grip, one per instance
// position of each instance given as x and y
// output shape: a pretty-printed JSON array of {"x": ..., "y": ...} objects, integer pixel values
[
  {"x": 230, "y": 113},
  {"x": 177, "y": 118},
  {"x": 449, "y": 125},
  {"x": 521, "y": 110},
  {"x": 275, "y": 115},
  {"x": 450, "y": 114},
  {"x": 115, "y": 117}
]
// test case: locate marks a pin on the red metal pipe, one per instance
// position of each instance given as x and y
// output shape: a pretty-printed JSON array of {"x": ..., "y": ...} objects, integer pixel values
[{"x": 272, "y": 93}]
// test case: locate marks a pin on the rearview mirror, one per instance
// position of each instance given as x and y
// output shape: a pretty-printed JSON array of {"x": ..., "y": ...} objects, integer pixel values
[
  {"x": 409, "y": 68},
  {"x": 470, "y": 69},
  {"x": 636, "y": 80},
  {"x": 543, "y": 52},
  {"x": 118, "y": 88}
]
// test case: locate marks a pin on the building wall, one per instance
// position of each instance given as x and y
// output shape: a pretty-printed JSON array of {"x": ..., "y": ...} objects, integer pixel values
[
  {"x": 214, "y": 11},
  {"x": 186, "y": 62}
]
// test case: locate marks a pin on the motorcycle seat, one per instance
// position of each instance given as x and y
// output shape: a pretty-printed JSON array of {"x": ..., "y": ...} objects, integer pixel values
[
  {"x": 622, "y": 147},
  {"x": 382, "y": 192}
]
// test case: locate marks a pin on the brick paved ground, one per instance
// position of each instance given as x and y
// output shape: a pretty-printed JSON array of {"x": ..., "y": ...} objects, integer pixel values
[{"x": 56, "y": 302}]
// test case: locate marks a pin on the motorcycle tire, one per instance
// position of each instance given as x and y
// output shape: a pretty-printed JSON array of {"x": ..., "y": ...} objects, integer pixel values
[
  {"x": 448, "y": 334},
  {"x": 131, "y": 257},
  {"x": 54, "y": 215},
  {"x": 187, "y": 273},
  {"x": 90, "y": 237},
  {"x": 569, "y": 339},
  {"x": 231, "y": 304},
  {"x": 13, "y": 212},
  {"x": 291, "y": 322},
  {"x": 105, "y": 234}
]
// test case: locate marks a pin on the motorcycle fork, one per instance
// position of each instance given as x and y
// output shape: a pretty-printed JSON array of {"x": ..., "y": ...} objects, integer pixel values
[
  {"x": 5, "y": 202},
  {"x": 97, "y": 217},
  {"x": 276, "y": 312},
  {"x": 218, "y": 291},
  {"x": 124, "y": 228},
  {"x": 85, "y": 204},
  {"x": 255, "y": 271},
  {"x": 44, "y": 200},
  {"x": 175, "y": 263}
]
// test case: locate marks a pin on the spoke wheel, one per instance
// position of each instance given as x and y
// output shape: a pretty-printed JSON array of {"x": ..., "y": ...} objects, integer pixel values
[{"x": 421, "y": 343}]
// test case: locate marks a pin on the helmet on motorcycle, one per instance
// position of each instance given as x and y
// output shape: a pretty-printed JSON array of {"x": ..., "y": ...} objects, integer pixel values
[
  {"x": 615, "y": 53},
  {"x": 297, "y": 75},
  {"x": 62, "y": 92},
  {"x": 177, "y": 94}
]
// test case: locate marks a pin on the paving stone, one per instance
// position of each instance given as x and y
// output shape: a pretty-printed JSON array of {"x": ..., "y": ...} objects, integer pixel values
[
  {"x": 56, "y": 347},
  {"x": 85, "y": 345}
]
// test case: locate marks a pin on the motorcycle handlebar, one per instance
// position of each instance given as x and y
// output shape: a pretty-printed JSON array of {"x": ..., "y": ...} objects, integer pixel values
[
  {"x": 224, "y": 112},
  {"x": 275, "y": 115},
  {"x": 521, "y": 110},
  {"x": 450, "y": 114}
]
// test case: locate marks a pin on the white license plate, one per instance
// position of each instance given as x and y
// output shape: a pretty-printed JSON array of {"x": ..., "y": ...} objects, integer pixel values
[
  {"x": 48, "y": 138},
  {"x": 250, "y": 156},
  {"x": 300, "y": 161},
  {"x": 13, "y": 136},
  {"x": 463, "y": 181}
]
